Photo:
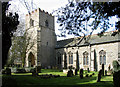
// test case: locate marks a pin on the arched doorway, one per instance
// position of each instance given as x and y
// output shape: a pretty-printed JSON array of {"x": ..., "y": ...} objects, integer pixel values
[{"x": 31, "y": 59}]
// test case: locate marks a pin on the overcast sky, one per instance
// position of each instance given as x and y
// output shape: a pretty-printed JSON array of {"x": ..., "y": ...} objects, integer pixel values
[{"x": 47, "y": 5}]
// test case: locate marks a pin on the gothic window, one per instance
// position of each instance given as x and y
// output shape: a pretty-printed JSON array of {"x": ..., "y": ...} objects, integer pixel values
[
  {"x": 85, "y": 58},
  {"x": 70, "y": 58},
  {"x": 31, "y": 22},
  {"x": 46, "y": 23},
  {"x": 102, "y": 54},
  {"x": 59, "y": 58}
]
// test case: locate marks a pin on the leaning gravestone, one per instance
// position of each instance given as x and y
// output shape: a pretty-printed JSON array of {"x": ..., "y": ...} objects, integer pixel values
[
  {"x": 81, "y": 73},
  {"x": 116, "y": 74},
  {"x": 99, "y": 75}
]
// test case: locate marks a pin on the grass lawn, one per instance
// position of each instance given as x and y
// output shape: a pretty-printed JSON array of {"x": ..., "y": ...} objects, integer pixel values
[{"x": 25, "y": 79}]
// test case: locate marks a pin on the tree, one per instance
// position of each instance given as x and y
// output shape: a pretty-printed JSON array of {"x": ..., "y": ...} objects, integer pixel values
[
  {"x": 22, "y": 43},
  {"x": 82, "y": 18},
  {"x": 9, "y": 26},
  {"x": 21, "y": 46}
]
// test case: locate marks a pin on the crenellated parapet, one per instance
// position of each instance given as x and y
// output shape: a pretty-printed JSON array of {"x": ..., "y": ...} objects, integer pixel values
[{"x": 40, "y": 10}]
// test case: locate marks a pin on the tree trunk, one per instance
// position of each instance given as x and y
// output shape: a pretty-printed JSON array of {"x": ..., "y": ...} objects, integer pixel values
[{"x": 6, "y": 44}]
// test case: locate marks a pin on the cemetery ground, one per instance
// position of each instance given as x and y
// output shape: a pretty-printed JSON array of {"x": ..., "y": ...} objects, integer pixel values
[{"x": 26, "y": 79}]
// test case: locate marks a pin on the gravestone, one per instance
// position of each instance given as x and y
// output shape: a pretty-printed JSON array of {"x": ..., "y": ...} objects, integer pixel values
[
  {"x": 70, "y": 73},
  {"x": 116, "y": 74},
  {"x": 76, "y": 71},
  {"x": 91, "y": 75},
  {"x": 86, "y": 75},
  {"x": 105, "y": 72},
  {"x": 81, "y": 73},
  {"x": 99, "y": 75}
]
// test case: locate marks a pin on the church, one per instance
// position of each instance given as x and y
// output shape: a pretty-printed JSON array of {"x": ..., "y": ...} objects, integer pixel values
[{"x": 75, "y": 52}]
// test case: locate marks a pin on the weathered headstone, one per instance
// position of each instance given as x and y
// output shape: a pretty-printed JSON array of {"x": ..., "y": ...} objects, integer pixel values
[
  {"x": 116, "y": 74},
  {"x": 76, "y": 70},
  {"x": 99, "y": 75},
  {"x": 105, "y": 72},
  {"x": 81, "y": 73},
  {"x": 91, "y": 75},
  {"x": 70, "y": 73}
]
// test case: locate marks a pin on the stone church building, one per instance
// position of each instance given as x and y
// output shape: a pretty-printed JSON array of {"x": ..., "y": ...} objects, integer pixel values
[{"x": 75, "y": 52}]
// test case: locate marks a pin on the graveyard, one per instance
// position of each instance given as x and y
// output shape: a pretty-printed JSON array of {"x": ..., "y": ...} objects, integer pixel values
[{"x": 54, "y": 77}]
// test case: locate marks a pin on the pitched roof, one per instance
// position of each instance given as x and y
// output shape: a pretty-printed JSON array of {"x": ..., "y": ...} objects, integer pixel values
[{"x": 94, "y": 39}]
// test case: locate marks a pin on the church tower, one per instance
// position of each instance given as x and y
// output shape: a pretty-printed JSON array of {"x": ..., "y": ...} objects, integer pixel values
[{"x": 40, "y": 30}]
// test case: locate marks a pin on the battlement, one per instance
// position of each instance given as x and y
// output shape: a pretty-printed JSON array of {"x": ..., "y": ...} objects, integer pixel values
[{"x": 36, "y": 10}]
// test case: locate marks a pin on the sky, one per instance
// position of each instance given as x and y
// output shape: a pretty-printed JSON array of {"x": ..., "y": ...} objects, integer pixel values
[{"x": 47, "y": 5}]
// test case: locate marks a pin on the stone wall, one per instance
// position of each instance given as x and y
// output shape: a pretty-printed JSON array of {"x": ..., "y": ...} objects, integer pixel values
[
  {"x": 44, "y": 48},
  {"x": 111, "y": 50}
]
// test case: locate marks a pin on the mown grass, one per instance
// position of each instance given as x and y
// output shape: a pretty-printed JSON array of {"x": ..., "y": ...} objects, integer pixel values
[{"x": 26, "y": 79}]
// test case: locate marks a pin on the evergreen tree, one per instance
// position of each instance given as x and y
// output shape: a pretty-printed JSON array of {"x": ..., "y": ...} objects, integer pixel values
[{"x": 9, "y": 26}]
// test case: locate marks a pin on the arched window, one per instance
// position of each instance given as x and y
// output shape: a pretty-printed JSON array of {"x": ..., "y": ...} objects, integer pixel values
[
  {"x": 85, "y": 58},
  {"x": 102, "y": 54},
  {"x": 59, "y": 57},
  {"x": 46, "y": 23},
  {"x": 70, "y": 58}
]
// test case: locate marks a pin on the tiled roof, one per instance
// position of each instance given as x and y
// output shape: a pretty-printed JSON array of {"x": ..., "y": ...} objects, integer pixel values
[{"x": 95, "y": 39}]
